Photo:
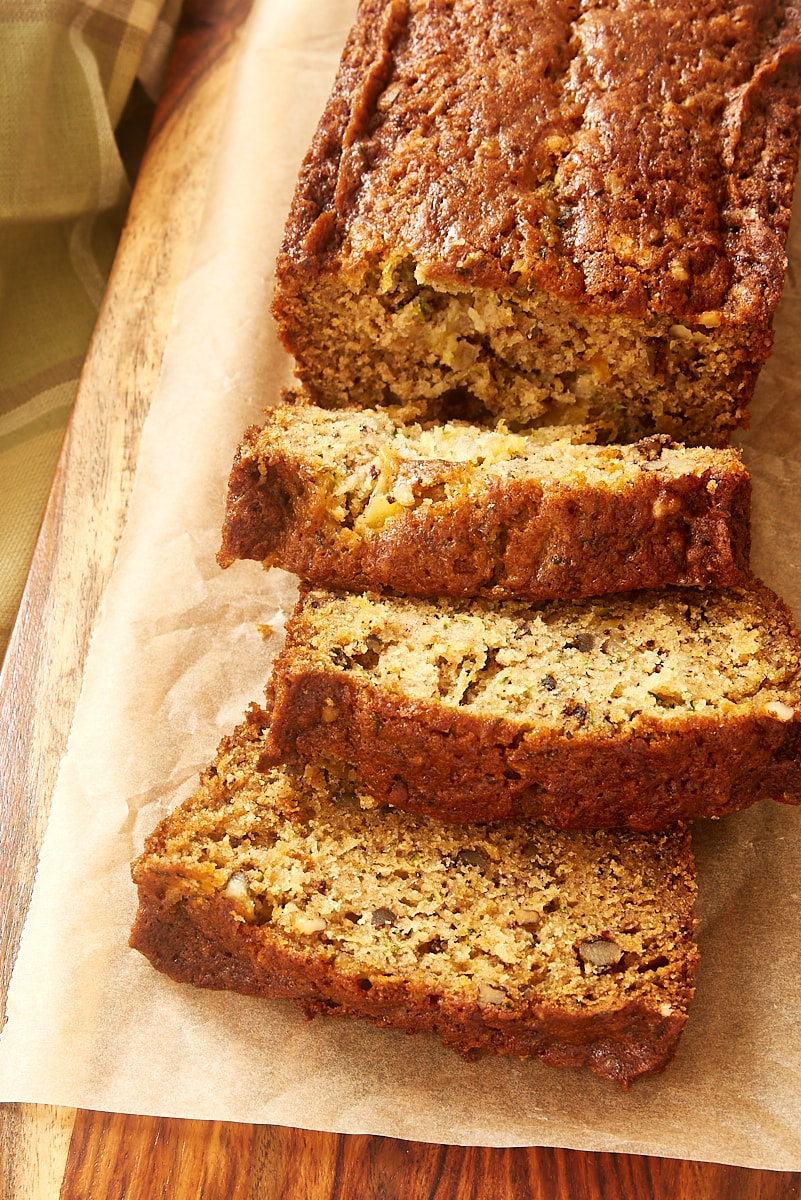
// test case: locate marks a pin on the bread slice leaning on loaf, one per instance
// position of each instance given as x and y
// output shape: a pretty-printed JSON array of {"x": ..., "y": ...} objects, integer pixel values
[
  {"x": 575, "y": 948},
  {"x": 630, "y": 710},
  {"x": 556, "y": 212},
  {"x": 363, "y": 500}
]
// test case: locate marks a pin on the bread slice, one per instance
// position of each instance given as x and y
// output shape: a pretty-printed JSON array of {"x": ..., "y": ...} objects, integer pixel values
[
  {"x": 362, "y": 500},
  {"x": 629, "y": 710},
  {"x": 576, "y": 948},
  {"x": 558, "y": 212}
]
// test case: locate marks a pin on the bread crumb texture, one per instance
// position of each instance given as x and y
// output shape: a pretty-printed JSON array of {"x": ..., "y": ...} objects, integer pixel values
[
  {"x": 592, "y": 666},
  {"x": 507, "y": 924},
  {"x": 377, "y": 498},
  {"x": 361, "y": 456}
]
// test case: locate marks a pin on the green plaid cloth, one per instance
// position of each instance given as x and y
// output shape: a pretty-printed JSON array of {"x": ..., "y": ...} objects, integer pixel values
[{"x": 67, "y": 70}]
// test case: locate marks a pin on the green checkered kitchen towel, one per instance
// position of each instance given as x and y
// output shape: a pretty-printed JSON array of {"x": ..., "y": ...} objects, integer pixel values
[{"x": 67, "y": 70}]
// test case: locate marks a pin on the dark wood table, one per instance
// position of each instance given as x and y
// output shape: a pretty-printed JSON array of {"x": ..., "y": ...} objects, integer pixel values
[{"x": 46, "y": 1151}]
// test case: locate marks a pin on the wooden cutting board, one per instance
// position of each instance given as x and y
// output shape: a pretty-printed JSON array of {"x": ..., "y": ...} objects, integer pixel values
[{"x": 48, "y": 1152}]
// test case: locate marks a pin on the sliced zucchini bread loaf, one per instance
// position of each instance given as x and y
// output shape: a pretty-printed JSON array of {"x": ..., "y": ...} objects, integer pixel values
[
  {"x": 362, "y": 500},
  {"x": 628, "y": 710},
  {"x": 576, "y": 948}
]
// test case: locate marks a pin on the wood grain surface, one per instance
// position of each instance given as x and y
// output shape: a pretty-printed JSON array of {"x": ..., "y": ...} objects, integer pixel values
[{"x": 48, "y": 1152}]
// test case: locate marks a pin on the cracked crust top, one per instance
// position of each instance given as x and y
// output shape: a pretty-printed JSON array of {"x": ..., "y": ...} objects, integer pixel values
[{"x": 630, "y": 158}]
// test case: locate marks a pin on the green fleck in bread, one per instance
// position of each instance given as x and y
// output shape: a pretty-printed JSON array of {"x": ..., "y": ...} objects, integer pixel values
[
  {"x": 630, "y": 710},
  {"x": 576, "y": 948},
  {"x": 557, "y": 212},
  {"x": 363, "y": 500}
]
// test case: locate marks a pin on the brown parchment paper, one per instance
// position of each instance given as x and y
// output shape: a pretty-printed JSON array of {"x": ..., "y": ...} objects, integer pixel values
[{"x": 176, "y": 658}]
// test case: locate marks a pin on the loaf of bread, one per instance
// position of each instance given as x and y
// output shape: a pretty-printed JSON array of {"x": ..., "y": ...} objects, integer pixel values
[
  {"x": 575, "y": 948},
  {"x": 630, "y": 710},
  {"x": 359, "y": 500},
  {"x": 549, "y": 212}
]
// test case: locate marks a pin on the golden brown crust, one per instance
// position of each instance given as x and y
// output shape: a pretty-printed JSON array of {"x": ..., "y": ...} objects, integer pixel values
[
  {"x": 617, "y": 179},
  {"x": 545, "y": 152},
  {"x": 441, "y": 759},
  {"x": 460, "y": 768},
  {"x": 467, "y": 532}
]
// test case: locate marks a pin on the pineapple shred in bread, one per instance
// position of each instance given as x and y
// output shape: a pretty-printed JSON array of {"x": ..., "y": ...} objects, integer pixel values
[
  {"x": 510, "y": 939},
  {"x": 630, "y": 710},
  {"x": 370, "y": 499},
  {"x": 558, "y": 211}
]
